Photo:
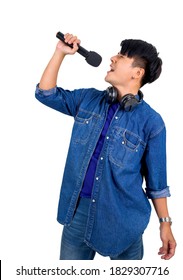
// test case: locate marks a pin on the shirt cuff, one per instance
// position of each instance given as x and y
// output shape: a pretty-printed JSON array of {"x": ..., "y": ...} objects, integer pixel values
[
  {"x": 158, "y": 194},
  {"x": 45, "y": 92}
]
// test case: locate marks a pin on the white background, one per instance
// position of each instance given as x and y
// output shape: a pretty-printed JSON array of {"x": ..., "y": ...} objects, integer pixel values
[{"x": 34, "y": 139}]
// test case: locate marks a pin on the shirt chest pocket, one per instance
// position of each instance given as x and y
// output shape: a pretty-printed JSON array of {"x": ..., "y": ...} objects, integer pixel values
[
  {"x": 84, "y": 125},
  {"x": 126, "y": 148}
]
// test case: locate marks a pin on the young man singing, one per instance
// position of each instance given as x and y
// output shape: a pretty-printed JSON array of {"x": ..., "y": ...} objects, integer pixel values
[{"x": 117, "y": 142}]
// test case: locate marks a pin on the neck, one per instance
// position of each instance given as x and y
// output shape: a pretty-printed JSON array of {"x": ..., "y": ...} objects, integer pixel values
[{"x": 126, "y": 90}]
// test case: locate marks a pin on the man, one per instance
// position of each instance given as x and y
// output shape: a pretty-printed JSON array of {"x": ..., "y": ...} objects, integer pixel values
[{"x": 117, "y": 141}]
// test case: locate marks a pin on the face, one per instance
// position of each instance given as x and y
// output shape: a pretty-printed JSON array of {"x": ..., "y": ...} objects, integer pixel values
[{"x": 121, "y": 71}]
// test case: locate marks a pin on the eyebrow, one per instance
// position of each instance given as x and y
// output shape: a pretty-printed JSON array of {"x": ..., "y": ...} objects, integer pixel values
[{"x": 120, "y": 54}]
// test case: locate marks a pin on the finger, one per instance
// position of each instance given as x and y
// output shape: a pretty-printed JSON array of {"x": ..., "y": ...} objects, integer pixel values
[
  {"x": 171, "y": 251},
  {"x": 161, "y": 251},
  {"x": 164, "y": 248},
  {"x": 75, "y": 46},
  {"x": 70, "y": 39},
  {"x": 73, "y": 40},
  {"x": 67, "y": 37}
]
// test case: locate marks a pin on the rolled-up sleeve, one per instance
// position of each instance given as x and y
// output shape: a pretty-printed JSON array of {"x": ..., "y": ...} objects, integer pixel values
[
  {"x": 155, "y": 165},
  {"x": 64, "y": 101},
  {"x": 158, "y": 194}
]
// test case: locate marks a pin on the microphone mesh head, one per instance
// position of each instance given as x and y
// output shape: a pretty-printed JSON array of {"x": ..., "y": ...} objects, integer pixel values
[{"x": 94, "y": 59}]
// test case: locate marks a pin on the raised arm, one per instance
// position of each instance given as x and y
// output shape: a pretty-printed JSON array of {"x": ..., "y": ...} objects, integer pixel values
[{"x": 50, "y": 74}]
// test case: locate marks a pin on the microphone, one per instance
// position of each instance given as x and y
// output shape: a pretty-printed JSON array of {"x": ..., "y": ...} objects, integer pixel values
[{"x": 93, "y": 58}]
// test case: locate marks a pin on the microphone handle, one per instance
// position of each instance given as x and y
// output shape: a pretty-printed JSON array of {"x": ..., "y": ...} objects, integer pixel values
[{"x": 81, "y": 50}]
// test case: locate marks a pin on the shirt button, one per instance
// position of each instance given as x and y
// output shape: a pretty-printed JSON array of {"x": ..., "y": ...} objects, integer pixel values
[
  {"x": 107, "y": 137},
  {"x": 87, "y": 122},
  {"x": 97, "y": 178},
  {"x": 101, "y": 158},
  {"x": 93, "y": 200},
  {"x": 123, "y": 142},
  {"x": 116, "y": 117}
]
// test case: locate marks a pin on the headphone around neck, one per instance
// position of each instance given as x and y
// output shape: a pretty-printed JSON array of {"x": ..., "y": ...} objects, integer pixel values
[{"x": 128, "y": 102}]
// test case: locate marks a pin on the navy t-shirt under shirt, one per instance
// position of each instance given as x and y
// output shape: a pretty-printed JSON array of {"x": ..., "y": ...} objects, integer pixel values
[{"x": 90, "y": 174}]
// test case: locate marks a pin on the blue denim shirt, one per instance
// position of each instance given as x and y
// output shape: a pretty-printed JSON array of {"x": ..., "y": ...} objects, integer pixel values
[{"x": 134, "y": 149}]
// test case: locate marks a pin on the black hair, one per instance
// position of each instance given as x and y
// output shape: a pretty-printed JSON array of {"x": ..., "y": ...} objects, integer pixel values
[{"x": 145, "y": 56}]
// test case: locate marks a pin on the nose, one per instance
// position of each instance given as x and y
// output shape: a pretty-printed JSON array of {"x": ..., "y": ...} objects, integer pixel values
[{"x": 114, "y": 58}]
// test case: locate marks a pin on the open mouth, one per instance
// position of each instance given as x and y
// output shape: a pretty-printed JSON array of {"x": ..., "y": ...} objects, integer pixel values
[{"x": 111, "y": 70}]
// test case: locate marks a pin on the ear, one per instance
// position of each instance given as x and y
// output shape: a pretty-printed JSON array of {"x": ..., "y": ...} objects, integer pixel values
[{"x": 138, "y": 72}]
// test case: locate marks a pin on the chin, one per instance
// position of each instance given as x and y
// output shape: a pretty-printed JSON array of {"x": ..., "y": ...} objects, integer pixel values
[{"x": 107, "y": 79}]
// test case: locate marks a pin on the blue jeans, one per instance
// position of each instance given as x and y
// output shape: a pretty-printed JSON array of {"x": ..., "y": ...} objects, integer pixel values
[{"x": 73, "y": 246}]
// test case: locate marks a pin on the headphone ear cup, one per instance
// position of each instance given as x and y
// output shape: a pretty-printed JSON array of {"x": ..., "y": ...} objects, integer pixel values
[
  {"x": 128, "y": 102},
  {"x": 111, "y": 95}
]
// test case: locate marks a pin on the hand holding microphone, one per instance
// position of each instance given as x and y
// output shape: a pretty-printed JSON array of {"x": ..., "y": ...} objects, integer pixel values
[
  {"x": 69, "y": 44},
  {"x": 92, "y": 58}
]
